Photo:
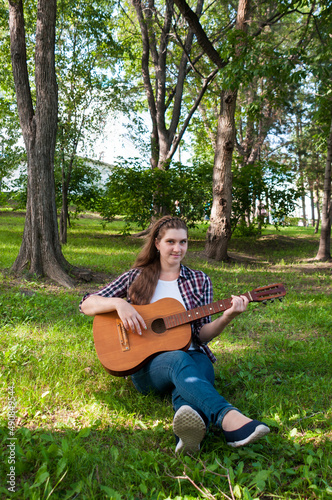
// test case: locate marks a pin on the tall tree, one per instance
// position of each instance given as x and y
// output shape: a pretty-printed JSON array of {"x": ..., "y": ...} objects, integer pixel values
[
  {"x": 324, "y": 250},
  {"x": 11, "y": 152},
  {"x": 245, "y": 59},
  {"x": 40, "y": 250},
  {"x": 220, "y": 231},
  {"x": 168, "y": 46},
  {"x": 321, "y": 67}
]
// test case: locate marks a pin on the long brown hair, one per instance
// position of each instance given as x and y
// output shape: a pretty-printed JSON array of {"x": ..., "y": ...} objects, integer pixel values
[{"x": 142, "y": 289}]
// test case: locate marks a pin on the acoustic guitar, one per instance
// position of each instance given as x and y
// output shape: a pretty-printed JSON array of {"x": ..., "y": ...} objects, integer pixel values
[{"x": 123, "y": 352}]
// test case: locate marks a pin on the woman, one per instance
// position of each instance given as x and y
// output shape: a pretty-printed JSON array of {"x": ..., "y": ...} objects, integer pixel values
[{"x": 188, "y": 376}]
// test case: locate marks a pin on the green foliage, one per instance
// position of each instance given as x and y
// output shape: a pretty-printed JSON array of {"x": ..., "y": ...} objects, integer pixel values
[
  {"x": 292, "y": 221},
  {"x": 267, "y": 183},
  {"x": 316, "y": 106},
  {"x": 12, "y": 155},
  {"x": 85, "y": 188},
  {"x": 86, "y": 60},
  {"x": 84, "y": 191},
  {"x": 138, "y": 193}
]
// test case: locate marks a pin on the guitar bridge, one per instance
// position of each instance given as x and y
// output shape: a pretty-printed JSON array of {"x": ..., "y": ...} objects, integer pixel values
[{"x": 123, "y": 338}]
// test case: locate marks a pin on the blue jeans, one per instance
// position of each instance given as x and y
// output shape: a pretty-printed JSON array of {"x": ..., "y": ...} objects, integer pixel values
[{"x": 189, "y": 377}]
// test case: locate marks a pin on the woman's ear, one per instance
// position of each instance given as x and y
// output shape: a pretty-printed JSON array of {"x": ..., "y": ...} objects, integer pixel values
[{"x": 157, "y": 244}]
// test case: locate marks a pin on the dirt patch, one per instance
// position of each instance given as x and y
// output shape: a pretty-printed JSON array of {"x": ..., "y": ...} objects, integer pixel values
[
  {"x": 6, "y": 213},
  {"x": 309, "y": 267},
  {"x": 97, "y": 280}
]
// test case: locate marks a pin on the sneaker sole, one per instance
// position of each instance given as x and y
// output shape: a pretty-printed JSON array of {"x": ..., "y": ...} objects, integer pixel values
[{"x": 190, "y": 428}]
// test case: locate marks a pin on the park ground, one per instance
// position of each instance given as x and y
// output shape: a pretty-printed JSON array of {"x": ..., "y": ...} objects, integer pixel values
[{"x": 81, "y": 433}]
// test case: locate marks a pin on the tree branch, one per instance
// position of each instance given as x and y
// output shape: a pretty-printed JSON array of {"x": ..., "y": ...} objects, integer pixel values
[
  {"x": 182, "y": 74},
  {"x": 272, "y": 20},
  {"x": 145, "y": 62},
  {"x": 195, "y": 25},
  {"x": 177, "y": 139}
]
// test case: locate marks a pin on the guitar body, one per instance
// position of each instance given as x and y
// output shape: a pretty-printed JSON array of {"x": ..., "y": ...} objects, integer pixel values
[{"x": 123, "y": 352}]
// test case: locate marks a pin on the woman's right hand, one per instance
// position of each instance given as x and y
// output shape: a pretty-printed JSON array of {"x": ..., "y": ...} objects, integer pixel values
[{"x": 130, "y": 318}]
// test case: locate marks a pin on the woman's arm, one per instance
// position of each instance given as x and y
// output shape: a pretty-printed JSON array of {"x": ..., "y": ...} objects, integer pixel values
[
  {"x": 213, "y": 329},
  {"x": 96, "y": 304}
]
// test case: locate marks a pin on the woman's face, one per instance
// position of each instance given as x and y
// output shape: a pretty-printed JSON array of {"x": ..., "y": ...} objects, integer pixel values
[{"x": 172, "y": 246}]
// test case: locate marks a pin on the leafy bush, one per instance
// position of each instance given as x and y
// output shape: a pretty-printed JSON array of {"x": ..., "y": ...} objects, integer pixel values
[
  {"x": 84, "y": 190},
  {"x": 266, "y": 182},
  {"x": 138, "y": 193},
  {"x": 244, "y": 230},
  {"x": 292, "y": 221}
]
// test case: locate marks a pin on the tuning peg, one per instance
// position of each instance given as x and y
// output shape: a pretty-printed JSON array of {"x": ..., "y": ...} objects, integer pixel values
[
  {"x": 280, "y": 299},
  {"x": 264, "y": 302},
  {"x": 272, "y": 300}
]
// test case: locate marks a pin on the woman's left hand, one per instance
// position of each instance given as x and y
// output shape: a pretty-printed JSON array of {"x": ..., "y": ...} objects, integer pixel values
[{"x": 239, "y": 305}]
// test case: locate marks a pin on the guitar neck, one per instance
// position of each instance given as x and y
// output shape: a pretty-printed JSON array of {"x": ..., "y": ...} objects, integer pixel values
[{"x": 200, "y": 312}]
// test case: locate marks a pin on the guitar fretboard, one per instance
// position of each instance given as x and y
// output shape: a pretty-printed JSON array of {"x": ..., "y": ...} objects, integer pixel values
[{"x": 199, "y": 312}]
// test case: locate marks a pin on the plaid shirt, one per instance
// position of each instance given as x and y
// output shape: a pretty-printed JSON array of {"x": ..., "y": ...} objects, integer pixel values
[{"x": 195, "y": 288}]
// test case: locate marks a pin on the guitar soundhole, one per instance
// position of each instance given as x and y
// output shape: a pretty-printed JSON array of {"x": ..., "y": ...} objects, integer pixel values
[{"x": 158, "y": 326}]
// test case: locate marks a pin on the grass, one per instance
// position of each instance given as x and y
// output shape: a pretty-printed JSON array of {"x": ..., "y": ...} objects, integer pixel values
[{"x": 80, "y": 433}]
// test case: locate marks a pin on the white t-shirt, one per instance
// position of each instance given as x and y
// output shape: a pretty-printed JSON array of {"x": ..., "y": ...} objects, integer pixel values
[{"x": 166, "y": 289}]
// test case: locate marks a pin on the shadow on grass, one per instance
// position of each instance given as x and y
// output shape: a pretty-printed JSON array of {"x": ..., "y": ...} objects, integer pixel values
[{"x": 286, "y": 384}]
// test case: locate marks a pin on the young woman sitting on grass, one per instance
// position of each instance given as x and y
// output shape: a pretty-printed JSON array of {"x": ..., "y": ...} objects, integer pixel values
[{"x": 187, "y": 375}]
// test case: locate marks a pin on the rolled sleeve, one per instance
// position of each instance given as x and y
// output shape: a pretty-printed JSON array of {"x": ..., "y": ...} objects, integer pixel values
[{"x": 117, "y": 288}]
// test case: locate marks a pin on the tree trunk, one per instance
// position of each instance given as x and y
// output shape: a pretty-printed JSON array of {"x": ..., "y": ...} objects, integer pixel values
[
  {"x": 304, "y": 215},
  {"x": 300, "y": 152},
  {"x": 219, "y": 232},
  {"x": 324, "y": 251},
  {"x": 318, "y": 209},
  {"x": 65, "y": 183},
  {"x": 312, "y": 205},
  {"x": 40, "y": 251},
  {"x": 64, "y": 217}
]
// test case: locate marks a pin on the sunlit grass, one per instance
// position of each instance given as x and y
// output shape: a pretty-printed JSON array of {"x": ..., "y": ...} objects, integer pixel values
[{"x": 92, "y": 436}]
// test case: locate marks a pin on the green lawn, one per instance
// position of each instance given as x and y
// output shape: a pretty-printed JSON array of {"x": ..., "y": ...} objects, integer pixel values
[{"x": 80, "y": 433}]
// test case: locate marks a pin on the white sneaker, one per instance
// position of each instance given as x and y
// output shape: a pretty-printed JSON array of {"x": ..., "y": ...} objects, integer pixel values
[{"x": 190, "y": 428}]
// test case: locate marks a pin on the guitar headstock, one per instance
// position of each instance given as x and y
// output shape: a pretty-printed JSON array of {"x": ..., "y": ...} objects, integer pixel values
[{"x": 269, "y": 292}]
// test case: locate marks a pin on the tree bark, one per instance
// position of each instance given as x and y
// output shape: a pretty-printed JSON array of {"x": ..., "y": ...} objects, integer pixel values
[
  {"x": 64, "y": 214},
  {"x": 318, "y": 208},
  {"x": 193, "y": 21},
  {"x": 65, "y": 183},
  {"x": 219, "y": 232},
  {"x": 324, "y": 250},
  {"x": 40, "y": 250}
]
